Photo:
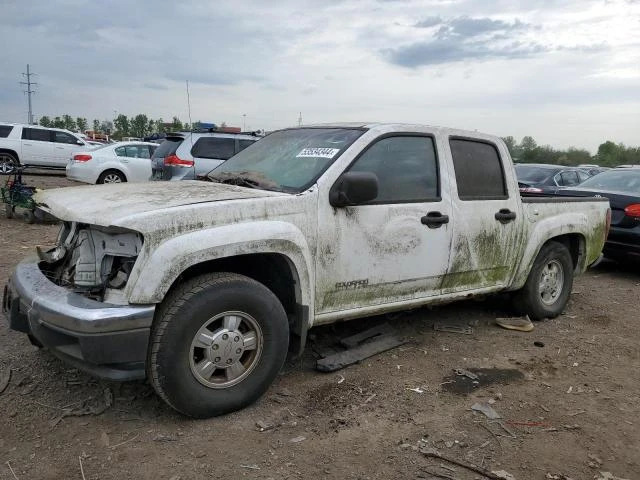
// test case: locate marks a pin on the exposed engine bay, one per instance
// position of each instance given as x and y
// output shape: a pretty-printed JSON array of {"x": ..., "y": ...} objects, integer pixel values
[{"x": 91, "y": 259}]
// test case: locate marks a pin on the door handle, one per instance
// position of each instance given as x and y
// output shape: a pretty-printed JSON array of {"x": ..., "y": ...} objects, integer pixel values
[
  {"x": 434, "y": 219},
  {"x": 504, "y": 215},
  {"x": 27, "y": 144},
  {"x": 60, "y": 148}
]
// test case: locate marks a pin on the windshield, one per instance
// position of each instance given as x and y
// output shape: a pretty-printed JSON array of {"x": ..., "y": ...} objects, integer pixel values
[
  {"x": 288, "y": 160},
  {"x": 623, "y": 180},
  {"x": 529, "y": 173}
]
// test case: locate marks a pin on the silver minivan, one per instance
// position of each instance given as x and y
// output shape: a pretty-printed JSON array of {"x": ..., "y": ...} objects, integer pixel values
[{"x": 189, "y": 155}]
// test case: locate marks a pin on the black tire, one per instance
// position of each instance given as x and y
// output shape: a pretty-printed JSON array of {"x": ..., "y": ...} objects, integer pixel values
[
  {"x": 111, "y": 176},
  {"x": 174, "y": 355},
  {"x": 8, "y": 163},
  {"x": 28, "y": 216},
  {"x": 536, "y": 298},
  {"x": 8, "y": 210}
]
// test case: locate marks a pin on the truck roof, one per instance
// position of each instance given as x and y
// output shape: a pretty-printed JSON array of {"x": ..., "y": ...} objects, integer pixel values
[{"x": 415, "y": 127}]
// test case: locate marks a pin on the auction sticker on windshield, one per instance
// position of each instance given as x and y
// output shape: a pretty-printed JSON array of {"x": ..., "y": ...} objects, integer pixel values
[{"x": 318, "y": 152}]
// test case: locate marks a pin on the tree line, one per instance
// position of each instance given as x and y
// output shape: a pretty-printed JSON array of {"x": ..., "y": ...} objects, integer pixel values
[
  {"x": 609, "y": 154},
  {"x": 138, "y": 126}
]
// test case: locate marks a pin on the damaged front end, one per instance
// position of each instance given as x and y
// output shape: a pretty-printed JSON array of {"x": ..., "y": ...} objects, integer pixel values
[{"x": 92, "y": 261}]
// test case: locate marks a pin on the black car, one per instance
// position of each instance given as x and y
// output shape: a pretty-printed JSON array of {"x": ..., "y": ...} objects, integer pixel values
[
  {"x": 622, "y": 188},
  {"x": 545, "y": 178}
]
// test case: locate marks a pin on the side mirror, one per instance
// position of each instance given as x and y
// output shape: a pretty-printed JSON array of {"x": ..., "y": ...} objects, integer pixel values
[
  {"x": 80, "y": 142},
  {"x": 353, "y": 188}
]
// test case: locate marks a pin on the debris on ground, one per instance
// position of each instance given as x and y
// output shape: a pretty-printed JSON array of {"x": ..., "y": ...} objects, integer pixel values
[
  {"x": 503, "y": 475},
  {"x": 250, "y": 467},
  {"x": 465, "y": 373},
  {"x": 608, "y": 476},
  {"x": 595, "y": 461},
  {"x": 92, "y": 406},
  {"x": 453, "y": 328},
  {"x": 486, "y": 409},
  {"x": 297, "y": 439},
  {"x": 433, "y": 453},
  {"x": 521, "y": 324},
  {"x": 5, "y": 378},
  {"x": 417, "y": 390},
  {"x": 464, "y": 384},
  {"x": 557, "y": 476},
  {"x": 264, "y": 426},
  {"x": 369, "y": 334},
  {"x": 538, "y": 344},
  {"x": 165, "y": 437},
  {"x": 339, "y": 360}
]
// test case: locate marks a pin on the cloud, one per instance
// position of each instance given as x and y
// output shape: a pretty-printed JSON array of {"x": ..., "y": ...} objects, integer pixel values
[{"x": 155, "y": 86}]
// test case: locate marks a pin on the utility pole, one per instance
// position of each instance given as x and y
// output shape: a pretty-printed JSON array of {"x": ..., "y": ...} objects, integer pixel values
[
  {"x": 300, "y": 120},
  {"x": 244, "y": 122},
  {"x": 29, "y": 92}
]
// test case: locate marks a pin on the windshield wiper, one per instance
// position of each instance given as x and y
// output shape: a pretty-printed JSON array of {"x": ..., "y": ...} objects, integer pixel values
[{"x": 247, "y": 179}]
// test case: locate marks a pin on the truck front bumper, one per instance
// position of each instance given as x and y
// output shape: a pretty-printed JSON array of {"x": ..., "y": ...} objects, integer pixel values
[{"x": 105, "y": 340}]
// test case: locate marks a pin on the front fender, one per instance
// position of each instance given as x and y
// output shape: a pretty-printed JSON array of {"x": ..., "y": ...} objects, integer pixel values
[{"x": 156, "y": 270}]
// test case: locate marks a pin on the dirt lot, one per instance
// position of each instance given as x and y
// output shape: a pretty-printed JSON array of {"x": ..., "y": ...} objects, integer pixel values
[{"x": 572, "y": 406}]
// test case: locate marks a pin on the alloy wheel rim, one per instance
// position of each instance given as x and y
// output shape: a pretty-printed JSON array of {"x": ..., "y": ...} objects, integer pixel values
[
  {"x": 226, "y": 349},
  {"x": 112, "y": 178},
  {"x": 6, "y": 165},
  {"x": 551, "y": 282}
]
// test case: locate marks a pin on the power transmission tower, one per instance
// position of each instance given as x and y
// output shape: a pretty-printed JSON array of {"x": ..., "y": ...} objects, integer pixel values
[
  {"x": 29, "y": 91},
  {"x": 300, "y": 120}
]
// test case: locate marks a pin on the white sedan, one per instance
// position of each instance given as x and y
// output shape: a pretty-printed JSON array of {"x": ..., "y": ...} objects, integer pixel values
[{"x": 112, "y": 163}]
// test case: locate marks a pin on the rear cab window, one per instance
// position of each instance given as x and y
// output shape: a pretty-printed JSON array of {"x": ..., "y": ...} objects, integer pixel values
[
  {"x": 5, "y": 130},
  {"x": 36, "y": 134},
  {"x": 478, "y": 169},
  {"x": 214, "y": 148}
]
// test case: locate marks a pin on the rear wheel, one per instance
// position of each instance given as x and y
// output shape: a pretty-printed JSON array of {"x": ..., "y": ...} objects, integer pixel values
[
  {"x": 8, "y": 163},
  {"x": 548, "y": 287},
  {"x": 112, "y": 176},
  {"x": 217, "y": 343}
]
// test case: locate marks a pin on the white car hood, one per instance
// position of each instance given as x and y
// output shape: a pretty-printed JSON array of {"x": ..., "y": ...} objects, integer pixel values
[{"x": 110, "y": 204}]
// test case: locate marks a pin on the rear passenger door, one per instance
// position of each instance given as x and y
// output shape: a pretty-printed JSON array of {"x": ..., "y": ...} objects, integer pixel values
[
  {"x": 64, "y": 146},
  {"x": 37, "y": 147},
  {"x": 486, "y": 223},
  {"x": 209, "y": 152},
  {"x": 136, "y": 160}
]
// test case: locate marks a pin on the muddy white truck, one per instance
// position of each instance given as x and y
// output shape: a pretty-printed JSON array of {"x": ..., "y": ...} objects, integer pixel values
[{"x": 203, "y": 287}]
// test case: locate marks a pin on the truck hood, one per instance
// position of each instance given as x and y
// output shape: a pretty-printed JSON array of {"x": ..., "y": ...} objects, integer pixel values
[{"x": 108, "y": 204}]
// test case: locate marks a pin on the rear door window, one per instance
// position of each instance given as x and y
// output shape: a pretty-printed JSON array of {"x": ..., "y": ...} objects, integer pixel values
[
  {"x": 478, "y": 169},
  {"x": 242, "y": 144},
  {"x": 214, "y": 147},
  {"x": 5, "y": 130},
  {"x": 37, "y": 134},
  {"x": 568, "y": 179}
]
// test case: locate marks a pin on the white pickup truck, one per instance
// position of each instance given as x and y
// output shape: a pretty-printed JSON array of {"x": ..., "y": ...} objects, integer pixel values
[{"x": 203, "y": 287}]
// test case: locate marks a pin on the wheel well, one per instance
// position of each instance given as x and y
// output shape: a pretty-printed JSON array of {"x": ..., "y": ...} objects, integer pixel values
[
  {"x": 103, "y": 174},
  {"x": 273, "y": 270},
  {"x": 12, "y": 152},
  {"x": 575, "y": 243}
]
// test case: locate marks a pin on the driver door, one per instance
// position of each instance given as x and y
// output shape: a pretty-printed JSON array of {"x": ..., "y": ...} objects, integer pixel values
[{"x": 394, "y": 248}]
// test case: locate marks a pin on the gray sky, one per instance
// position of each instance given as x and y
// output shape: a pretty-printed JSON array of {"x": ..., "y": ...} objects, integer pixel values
[{"x": 566, "y": 72}]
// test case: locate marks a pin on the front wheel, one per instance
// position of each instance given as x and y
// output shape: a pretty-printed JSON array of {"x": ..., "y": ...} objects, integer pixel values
[
  {"x": 217, "y": 343},
  {"x": 8, "y": 163},
  {"x": 546, "y": 291}
]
